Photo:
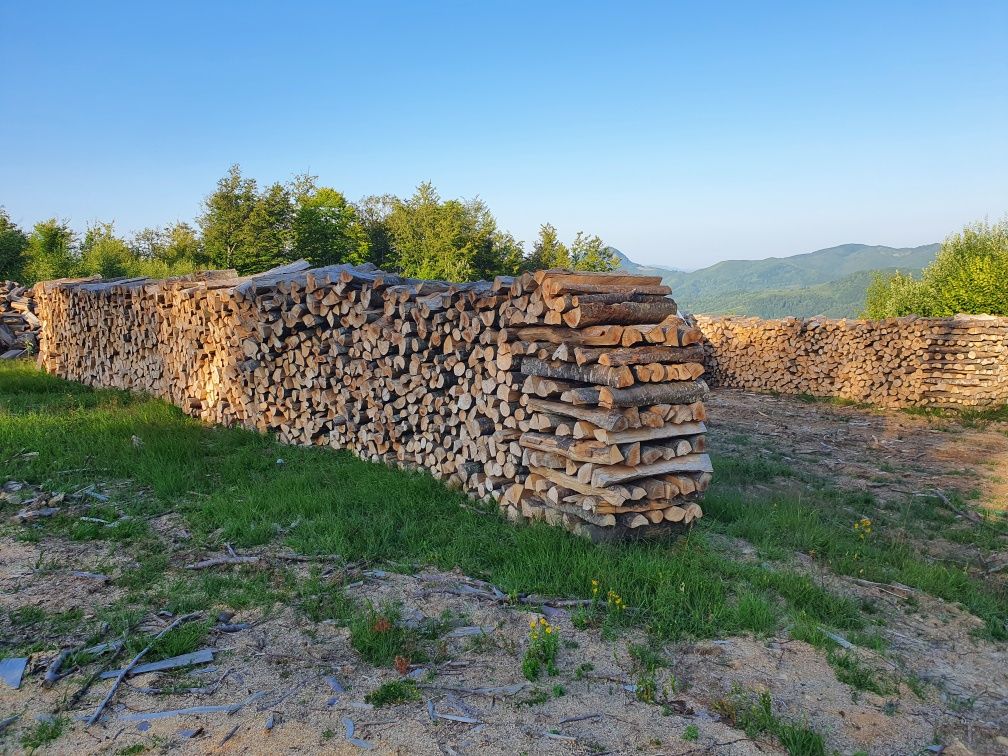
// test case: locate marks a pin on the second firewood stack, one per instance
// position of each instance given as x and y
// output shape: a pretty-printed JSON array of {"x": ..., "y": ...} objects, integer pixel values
[
  {"x": 18, "y": 325},
  {"x": 615, "y": 436}
]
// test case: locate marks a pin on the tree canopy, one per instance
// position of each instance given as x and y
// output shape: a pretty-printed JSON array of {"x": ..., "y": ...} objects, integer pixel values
[
  {"x": 327, "y": 229},
  {"x": 251, "y": 228},
  {"x": 969, "y": 275},
  {"x": 13, "y": 243},
  {"x": 52, "y": 251}
]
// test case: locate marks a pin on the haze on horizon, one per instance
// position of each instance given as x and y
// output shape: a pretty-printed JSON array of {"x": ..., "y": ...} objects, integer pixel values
[{"x": 680, "y": 135}]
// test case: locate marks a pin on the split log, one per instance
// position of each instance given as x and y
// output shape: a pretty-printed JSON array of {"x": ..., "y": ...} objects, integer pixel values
[{"x": 603, "y": 477}]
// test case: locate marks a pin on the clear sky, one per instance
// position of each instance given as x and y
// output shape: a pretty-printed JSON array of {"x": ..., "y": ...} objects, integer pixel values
[{"x": 680, "y": 133}]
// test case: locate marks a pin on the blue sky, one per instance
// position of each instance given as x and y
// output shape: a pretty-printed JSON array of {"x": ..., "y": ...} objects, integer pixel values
[{"x": 680, "y": 133}]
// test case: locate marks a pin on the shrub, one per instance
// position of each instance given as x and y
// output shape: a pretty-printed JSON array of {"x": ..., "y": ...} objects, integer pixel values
[{"x": 967, "y": 276}]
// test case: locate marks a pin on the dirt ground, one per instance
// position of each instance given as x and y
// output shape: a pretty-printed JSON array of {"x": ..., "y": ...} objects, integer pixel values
[
  {"x": 893, "y": 454},
  {"x": 293, "y": 685}
]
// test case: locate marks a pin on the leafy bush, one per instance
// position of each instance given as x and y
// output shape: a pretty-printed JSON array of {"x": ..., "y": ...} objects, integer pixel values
[{"x": 967, "y": 276}]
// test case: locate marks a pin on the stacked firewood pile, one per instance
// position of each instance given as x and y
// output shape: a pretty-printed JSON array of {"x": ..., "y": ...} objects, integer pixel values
[
  {"x": 18, "y": 325},
  {"x": 614, "y": 436},
  {"x": 899, "y": 362},
  {"x": 572, "y": 398}
]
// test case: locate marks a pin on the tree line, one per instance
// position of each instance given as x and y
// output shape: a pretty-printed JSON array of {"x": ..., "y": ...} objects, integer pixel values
[
  {"x": 969, "y": 275},
  {"x": 251, "y": 228}
]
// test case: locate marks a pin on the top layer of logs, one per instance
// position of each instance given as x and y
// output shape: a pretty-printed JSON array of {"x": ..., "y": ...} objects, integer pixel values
[{"x": 569, "y": 397}]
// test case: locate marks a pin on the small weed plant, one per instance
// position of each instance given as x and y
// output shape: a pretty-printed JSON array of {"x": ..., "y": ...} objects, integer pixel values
[
  {"x": 543, "y": 642},
  {"x": 607, "y": 612}
]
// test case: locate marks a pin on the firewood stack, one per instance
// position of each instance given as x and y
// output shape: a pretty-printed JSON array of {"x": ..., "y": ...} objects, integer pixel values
[
  {"x": 18, "y": 325},
  {"x": 614, "y": 440},
  {"x": 567, "y": 397},
  {"x": 896, "y": 362}
]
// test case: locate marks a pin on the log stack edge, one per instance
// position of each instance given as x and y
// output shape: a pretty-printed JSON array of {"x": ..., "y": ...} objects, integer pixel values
[{"x": 572, "y": 398}]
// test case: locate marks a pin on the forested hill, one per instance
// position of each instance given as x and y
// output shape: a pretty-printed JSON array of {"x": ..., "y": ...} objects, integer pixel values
[{"x": 829, "y": 282}]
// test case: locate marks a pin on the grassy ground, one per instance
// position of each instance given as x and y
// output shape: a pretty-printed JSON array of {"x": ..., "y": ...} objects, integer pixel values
[{"x": 235, "y": 487}]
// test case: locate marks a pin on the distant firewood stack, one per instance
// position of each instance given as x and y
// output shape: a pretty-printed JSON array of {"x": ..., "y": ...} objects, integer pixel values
[{"x": 18, "y": 325}]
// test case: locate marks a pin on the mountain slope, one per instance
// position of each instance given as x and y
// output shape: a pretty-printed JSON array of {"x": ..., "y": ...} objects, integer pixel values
[
  {"x": 642, "y": 270},
  {"x": 828, "y": 281}
]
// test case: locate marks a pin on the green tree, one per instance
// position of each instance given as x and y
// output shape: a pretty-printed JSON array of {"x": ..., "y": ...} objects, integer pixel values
[
  {"x": 266, "y": 240},
  {"x": 893, "y": 295},
  {"x": 507, "y": 258},
  {"x": 451, "y": 240},
  {"x": 225, "y": 218},
  {"x": 13, "y": 244},
  {"x": 327, "y": 229},
  {"x": 373, "y": 212},
  {"x": 183, "y": 250},
  {"x": 105, "y": 254},
  {"x": 52, "y": 252},
  {"x": 967, "y": 276},
  {"x": 548, "y": 251},
  {"x": 172, "y": 250},
  {"x": 588, "y": 253},
  {"x": 245, "y": 228}
]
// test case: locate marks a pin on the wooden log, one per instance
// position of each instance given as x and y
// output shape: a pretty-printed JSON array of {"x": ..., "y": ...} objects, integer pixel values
[
  {"x": 591, "y": 336},
  {"x": 612, "y": 420},
  {"x": 606, "y": 476},
  {"x": 583, "y": 451},
  {"x": 618, "y": 377},
  {"x": 625, "y": 313},
  {"x": 639, "y": 355},
  {"x": 677, "y": 392},
  {"x": 632, "y": 435},
  {"x": 595, "y": 283}
]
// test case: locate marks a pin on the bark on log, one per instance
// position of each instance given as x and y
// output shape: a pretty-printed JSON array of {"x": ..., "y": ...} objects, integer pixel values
[
  {"x": 619, "y": 377},
  {"x": 676, "y": 392},
  {"x": 626, "y": 313}
]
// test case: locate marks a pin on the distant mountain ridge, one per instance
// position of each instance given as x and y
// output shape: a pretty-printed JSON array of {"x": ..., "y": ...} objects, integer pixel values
[{"x": 829, "y": 281}]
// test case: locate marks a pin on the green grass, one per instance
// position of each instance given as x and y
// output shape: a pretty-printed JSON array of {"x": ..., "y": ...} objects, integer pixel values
[
  {"x": 379, "y": 638},
  {"x": 756, "y": 717},
  {"x": 847, "y": 665},
  {"x": 228, "y": 486},
  {"x": 836, "y": 401},
  {"x": 33, "y": 629},
  {"x": 392, "y": 693},
  {"x": 820, "y": 522},
  {"x": 969, "y": 417},
  {"x": 44, "y": 733}
]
